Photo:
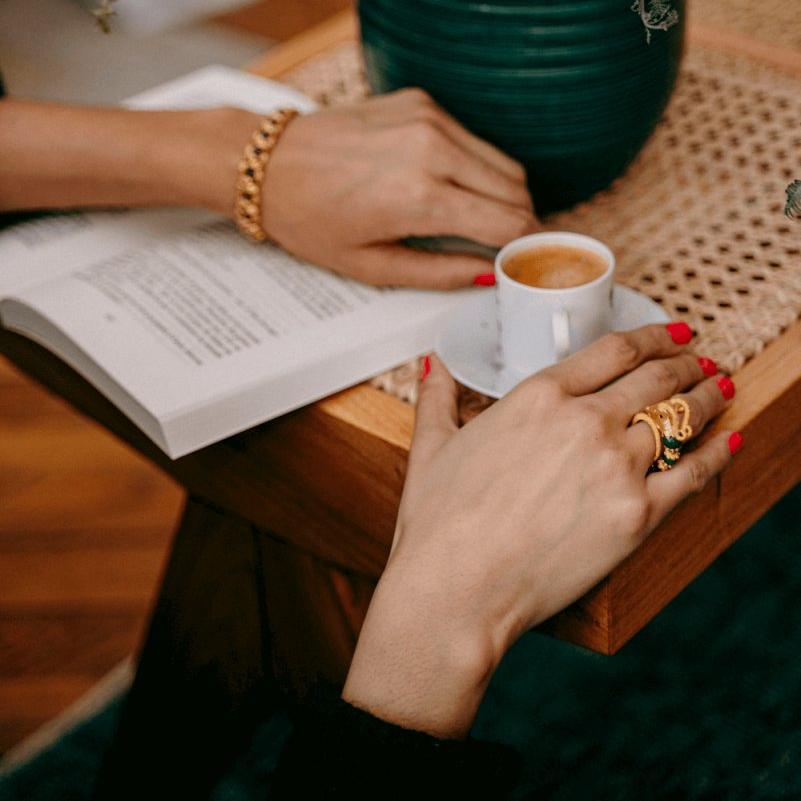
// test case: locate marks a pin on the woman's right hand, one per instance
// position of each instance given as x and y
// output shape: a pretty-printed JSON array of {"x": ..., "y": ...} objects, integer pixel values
[
  {"x": 346, "y": 185},
  {"x": 508, "y": 520}
]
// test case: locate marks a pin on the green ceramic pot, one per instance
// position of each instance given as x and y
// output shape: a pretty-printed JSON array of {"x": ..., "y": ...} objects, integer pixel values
[
  {"x": 549, "y": 52},
  {"x": 572, "y": 89}
]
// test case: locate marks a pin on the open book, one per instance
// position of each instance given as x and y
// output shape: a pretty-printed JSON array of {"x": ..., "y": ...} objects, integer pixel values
[{"x": 192, "y": 331}]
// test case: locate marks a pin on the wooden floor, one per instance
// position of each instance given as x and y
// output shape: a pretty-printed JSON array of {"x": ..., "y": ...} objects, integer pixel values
[{"x": 84, "y": 528}]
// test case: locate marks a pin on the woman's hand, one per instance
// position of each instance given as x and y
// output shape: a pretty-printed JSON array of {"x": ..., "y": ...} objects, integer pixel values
[
  {"x": 346, "y": 185},
  {"x": 508, "y": 520}
]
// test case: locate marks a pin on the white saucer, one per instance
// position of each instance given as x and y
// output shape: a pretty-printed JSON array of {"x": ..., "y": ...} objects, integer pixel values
[{"x": 468, "y": 344}]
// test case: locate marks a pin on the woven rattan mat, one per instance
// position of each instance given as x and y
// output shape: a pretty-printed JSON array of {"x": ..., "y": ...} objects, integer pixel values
[{"x": 696, "y": 223}]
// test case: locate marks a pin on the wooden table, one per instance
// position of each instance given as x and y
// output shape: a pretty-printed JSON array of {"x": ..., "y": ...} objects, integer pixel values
[{"x": 287, "y": 527}]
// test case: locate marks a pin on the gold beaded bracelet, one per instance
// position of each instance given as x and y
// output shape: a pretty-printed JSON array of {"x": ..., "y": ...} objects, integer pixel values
[{"x": 252, "y": 166}]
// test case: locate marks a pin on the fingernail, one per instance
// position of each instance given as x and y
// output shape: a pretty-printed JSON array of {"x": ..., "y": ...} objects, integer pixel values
[
  {"x": 680, "y": 333},
  {"x": 708, "y": 366},
  {"x": 735, "y": 442},
  {"x": 425, "y": 369},
  {"x": 485, "y": 279},
  {"x": 726, "y": 386}
]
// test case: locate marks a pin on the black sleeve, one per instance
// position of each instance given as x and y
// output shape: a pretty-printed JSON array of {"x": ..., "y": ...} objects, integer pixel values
[{"x": 340, "y": 752}]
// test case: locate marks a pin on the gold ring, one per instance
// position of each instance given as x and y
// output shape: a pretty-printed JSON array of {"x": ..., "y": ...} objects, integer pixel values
[
  {"x": 669, "y": 422},
  {"x": 644, "y": 417},
  {"x": 683, "y": 429}
]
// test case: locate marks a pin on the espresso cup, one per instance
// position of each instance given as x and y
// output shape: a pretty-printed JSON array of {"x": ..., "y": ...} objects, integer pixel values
[{"x": 538, "y": 326}]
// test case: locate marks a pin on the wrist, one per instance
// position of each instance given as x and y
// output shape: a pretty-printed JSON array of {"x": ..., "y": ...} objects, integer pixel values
[
  {"x": 417, "y": 664},
  {"x": 211, "y": 143}
]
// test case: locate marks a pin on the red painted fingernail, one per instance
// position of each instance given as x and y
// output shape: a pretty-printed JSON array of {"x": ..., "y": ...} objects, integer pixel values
[
  {"x": 726, "y": 386},
  {"x": 735, "y": 442},
  {"x": 425, "y": 369},
  {"x": 485, "y": 279},
  {"x": 708, "y": 366},
  {"x": 680, "y": 333}
]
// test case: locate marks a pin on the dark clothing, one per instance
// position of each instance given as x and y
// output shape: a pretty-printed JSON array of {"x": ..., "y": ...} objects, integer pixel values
[{"x": 340, "y": 752}]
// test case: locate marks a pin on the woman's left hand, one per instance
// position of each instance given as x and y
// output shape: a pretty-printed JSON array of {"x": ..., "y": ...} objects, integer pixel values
[{"x": 508, "y": 520}]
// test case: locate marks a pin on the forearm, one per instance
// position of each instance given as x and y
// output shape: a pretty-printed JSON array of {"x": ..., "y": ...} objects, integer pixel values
[{"x": 54, "y": 156}]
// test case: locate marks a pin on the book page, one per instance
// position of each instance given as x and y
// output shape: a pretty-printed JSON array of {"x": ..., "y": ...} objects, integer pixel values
[
  {"x": 208, "y": 295},
  {"x": 201, "y": 314},
  {"x": 43, "y": 248}
]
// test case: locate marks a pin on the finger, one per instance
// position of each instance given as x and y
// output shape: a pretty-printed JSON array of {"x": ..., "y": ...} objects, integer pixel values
[
  {"x": 652, "y": 382},
  {"x": 705, "y": 400},
  {"x": 442, "y": 209},
  {"x": 436, "y": 421},
  {"x": 437, "y": 418},
  {"x": 487, "y": 152},
  {"x": 416, "y": 104},
  {"x": 692, "y": 473},
  {"x": 471, "y": 172},
  {"x": 396, "y": 265},
  {"x": 611, "y": 356}
]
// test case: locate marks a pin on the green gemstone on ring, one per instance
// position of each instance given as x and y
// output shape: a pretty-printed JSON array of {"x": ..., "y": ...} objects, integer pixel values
[
  {"x": 670, "y": 442},
  {"x": 669, "y": 461}
]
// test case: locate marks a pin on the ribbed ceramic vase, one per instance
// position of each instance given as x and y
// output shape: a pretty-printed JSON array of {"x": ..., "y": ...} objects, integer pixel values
[{"x": 571, "y": 89}]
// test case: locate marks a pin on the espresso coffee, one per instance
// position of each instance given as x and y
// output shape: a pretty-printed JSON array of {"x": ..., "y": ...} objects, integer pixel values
[{"x": 555, "y": 266}]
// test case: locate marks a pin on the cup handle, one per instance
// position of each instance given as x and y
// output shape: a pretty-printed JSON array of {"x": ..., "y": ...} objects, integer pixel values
[{"x": 560, "y": 322}]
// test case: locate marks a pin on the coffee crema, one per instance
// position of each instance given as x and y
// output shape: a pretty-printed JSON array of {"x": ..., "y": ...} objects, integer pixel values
[{"x": 555, "y": 266}]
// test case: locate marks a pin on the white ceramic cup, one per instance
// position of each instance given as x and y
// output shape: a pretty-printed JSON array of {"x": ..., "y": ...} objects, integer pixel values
[{"x": 539, "y": 326}]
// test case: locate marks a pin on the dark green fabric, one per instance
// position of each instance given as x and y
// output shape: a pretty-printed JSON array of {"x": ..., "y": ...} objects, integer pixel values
[{"x": 704, "y": 704}]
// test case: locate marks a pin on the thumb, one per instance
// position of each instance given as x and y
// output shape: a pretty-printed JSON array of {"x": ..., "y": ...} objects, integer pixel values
[
  {"x": 436, "y": 421},
  {"x": 437, "y": 418}
]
